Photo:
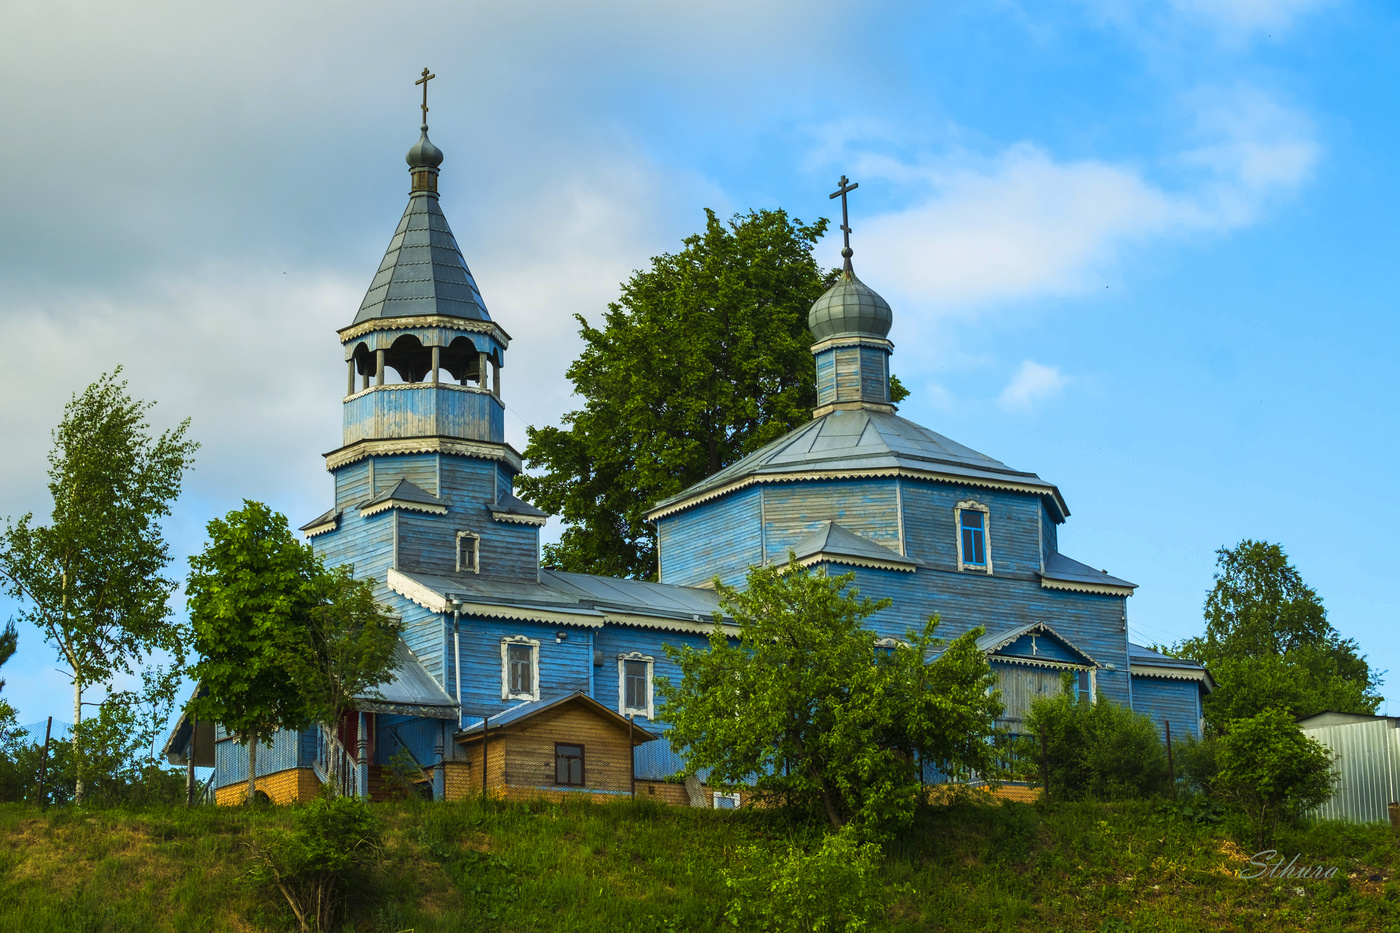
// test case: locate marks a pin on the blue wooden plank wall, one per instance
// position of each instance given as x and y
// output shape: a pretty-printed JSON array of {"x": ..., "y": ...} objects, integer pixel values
[
  {"x": 1049, "y": 535},
  {"x": 427, "y": 543},
  {"x": 352, "y": 485},
  {"x": 231, "y": 757},
  {"x": 793, "y": 511},
  {"x": 1093, "y": 623},
  {"x": 1013, "y": 537},
  {"x": 875, "y": 374},
  {"x": 423, "y": 410},
  {"x": 826, "y": 377},
  {"x": 1043, "y": 647},
  {"x": 719, "y": 538},
  {"x": 365, "y": 543},
  {"x": 423, "y": 738},
  {"x": 613, "y": 640},
  {"x": 1175, "y": 701},
  {"x": 847, "y": 374},
  {"x": 565, "y": 667},
  {"x": 468, "y": 483}
]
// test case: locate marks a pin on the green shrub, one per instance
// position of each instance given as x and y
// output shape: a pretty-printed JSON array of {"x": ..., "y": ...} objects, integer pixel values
[
  {"x": 1100, "y": 751},
  {"x": 332, "y": 849},
  {"x": 1196, "y": 764},
  {"x": 1272, "y": 770},
  {"x": 834, "y": 888}
]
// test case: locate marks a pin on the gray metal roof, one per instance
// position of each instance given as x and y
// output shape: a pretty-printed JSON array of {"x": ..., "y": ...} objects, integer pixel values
[
  {"x": 1140, "y": 654},
  {"x": 405, "y": 491},
  {"x": 411, "y": 692},
  {"x": 830, "y": 538},
  {"x": 864, "y": 440},
  {"x": 850, "y": 308},
  {"x": 423, "y": 271},
  {"x": 1060, "y": 567},
  {"x": 510, "y": 505},
  {"x": 321, "y": 519},
  {"x": 994, "y": 641}
]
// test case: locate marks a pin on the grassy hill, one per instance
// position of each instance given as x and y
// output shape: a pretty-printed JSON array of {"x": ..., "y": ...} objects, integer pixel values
[{"x": 639, "y": 867}]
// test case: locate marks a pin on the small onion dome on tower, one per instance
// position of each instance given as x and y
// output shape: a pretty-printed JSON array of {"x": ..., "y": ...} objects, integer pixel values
[
  {"x": 850, "y": 308},
  {"x": 424, "y": 154}
]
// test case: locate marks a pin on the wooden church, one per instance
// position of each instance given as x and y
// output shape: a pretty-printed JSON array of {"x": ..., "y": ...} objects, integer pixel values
[{"x": 515, "y": 679}]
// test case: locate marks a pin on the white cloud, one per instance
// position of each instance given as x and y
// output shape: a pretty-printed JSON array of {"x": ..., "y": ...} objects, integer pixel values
[
  {"x": 1023, "y": 224},
  {"x": 1242, "y": 17},
  {"x": 1032, "y": 384},
  {"x": 1232, "y": 21}
]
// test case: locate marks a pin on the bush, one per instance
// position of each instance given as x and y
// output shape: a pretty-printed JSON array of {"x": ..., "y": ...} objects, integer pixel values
[
  {"x": 1100, "y": 751},
  {"x": 833, "y": 889},
  {"x": 1272, "y": 770},
  {"x": 1196, "y": 765}
]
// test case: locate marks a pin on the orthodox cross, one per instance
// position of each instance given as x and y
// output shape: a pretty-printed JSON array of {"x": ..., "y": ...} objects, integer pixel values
[
  {"x": 424, "y": 81},
  {"x": 846, "y": 187}
]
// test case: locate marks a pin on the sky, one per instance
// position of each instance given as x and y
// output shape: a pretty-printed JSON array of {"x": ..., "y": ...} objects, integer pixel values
[{"x": 1146, "y": 250}]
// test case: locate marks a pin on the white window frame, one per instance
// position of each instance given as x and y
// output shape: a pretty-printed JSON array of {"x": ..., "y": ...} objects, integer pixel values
[
  {"x": 474, "y": 566},
  {"x": 972, "y": 505},
  {"x": 718, "y": 796},
  {"x": 622, "y": 706},
  {"x": 534, "y": 646}
]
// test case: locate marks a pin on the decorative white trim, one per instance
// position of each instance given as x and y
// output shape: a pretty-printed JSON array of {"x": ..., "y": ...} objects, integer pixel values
[
  {"x": 403, "y": 386},
  {"x": 1040, "y": 662},
  {"x": 622, "y": 706},
  {"x": 493, "y": 611},
  {"x": 972, "y": 505},
  {"x": 416, "y": 592},
  {"x": 930, "y": 475},
  {"x": 831, "y": 343},
  {"x": 388, "y": 447},
  {"x": 536, "y": 520},
  {"x": 703, "y": 627},
  {"x": 824, "y": 557},
  {"x": 405, "y": 504},
  {"x": 322, "y": 528},
  {"x": 474, "y": 565},
  {"x": 717, "y": 796},
  {"x": 1103, "y": 589},
  {"x": 466, "y": 325},
  {"x": 1167, "y": 673},
  {"x": 534, "y": 645}
]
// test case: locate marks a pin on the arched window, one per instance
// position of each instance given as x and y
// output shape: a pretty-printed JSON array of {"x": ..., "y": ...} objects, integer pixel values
[{"x": 409, "y": 358}]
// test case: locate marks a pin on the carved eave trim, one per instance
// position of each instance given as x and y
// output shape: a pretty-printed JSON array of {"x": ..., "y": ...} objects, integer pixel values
[
  {"x": 415, "y": 592},
  {"x": 322, "y": 528},
  {"x": 697, "y": 627},
  {"x": 404, "y": 504},
  {"x": 1041, "y": 662},
  {"x": 1172, "y": 673},
  {"x": 387, "y": 447},
  {"x": 582, "y": 618},
  {"x": 536, "y": 520},
  {"x": 930, "y": 475},
  {"x": 1102, "y": 589},
  {"x": 831, "y": 343},
  {"x": 420, "y": 386},
  {"x": 881, "y": 407},
  {"x": 824, "y": 557},
  {"x": 355, "y": 331},
  {"x": 1015, "y": 635}
]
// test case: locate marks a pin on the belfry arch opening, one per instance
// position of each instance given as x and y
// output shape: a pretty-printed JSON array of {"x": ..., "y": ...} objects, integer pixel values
[{"x": 408, "y": 361}]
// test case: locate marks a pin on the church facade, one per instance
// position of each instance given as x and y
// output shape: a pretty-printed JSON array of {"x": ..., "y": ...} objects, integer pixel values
[{"x": 512, "y": 678}]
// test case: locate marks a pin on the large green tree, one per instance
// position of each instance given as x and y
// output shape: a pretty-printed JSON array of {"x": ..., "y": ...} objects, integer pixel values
[
  {"x": 92, "y": 578},
  {"x": 1268, "y": 643},
  {"x": 816, "y": 711},
  {"x": 704, "y": 358},
  {"x": 251, "y": 592}
]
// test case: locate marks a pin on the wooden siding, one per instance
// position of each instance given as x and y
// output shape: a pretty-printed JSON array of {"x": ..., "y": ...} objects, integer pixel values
[
  {"x": 426, "y": 739},
  {"x": 792, "y": 512},
  {"x": 614, "y": 640},
  {"x": 352, "y": 485},
  {"x": 874, "y": 374},
  {"x": 1041, "y": 646},
  {"x": 719, "y": 538},
  {"x": 423, "y": 410},
  {"x": 1021, "y": 686},
  {"x": 847, "y": 374},
  {"x": 1174, "y": 701},
  {"x": 1049, "y": 535},
  {"x": 1014, "y": 531},
  {"x": 565, "y": 667},
  {"x": 429, "y": 637},
  {"x": 826, "y": 377}
]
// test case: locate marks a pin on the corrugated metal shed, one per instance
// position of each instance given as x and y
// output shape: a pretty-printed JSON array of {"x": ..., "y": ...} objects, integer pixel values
[{"x": 1368, "y": 762}]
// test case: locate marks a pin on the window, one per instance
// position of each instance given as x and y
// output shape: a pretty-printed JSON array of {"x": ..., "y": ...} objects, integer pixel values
[
  {"x": 634, "y": 690},
  {"x": 568, "y": 765},
  {"x": 520, "y": 668},
  {"x": 973, "y": 550},
  {"x": 726, "y": 801},
  {"x": 468, "y": 552}
]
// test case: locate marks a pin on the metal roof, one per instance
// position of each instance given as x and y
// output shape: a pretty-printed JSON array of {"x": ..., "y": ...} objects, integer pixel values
[
  {"x": 411, "y": 692},
  {"x": 996, "y": 641},
  {"x": 405, "y": 491},
  {"x": 830, "y": 539},
  {"x": 861, "y": 440},
  {"x": 423, "y": 271},
  {"x": 1060, "y": 567},
  {"x": 849, "y": 308},
  {"x": 507, "y": 504}
]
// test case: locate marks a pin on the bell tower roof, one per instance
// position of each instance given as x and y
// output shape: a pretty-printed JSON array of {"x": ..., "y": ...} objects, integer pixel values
[{"x": 423, "y": 272}]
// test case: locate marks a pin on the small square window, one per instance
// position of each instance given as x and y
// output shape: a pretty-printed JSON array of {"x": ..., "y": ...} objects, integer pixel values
[{"x": 568, "y": 765}]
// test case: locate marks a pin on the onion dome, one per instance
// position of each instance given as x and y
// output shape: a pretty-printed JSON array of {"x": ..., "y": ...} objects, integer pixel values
[
  {"x": 424, "y": 154},
  {"x": 850, "y": 308}
]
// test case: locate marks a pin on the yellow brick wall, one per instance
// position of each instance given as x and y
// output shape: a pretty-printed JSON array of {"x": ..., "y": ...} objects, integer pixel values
[{"x": 295, "y": 785}]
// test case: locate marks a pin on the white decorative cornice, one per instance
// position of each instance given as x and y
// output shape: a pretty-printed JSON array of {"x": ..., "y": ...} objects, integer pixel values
[
  {"x": 1167, "y": 673},
  {"x": 387, "y": 447},
  {"x": 419, "y": 386},
  {"x": 405, "y": 504},
  {"x": 881, "y": 407},
  {"x": 701, "y": 627},
  {"x": 322, "y": 528},
  {"x": 833, "y": 342},
  {"x": 536, "y": 520},
  {"x": 412, "y": 590},
  {"x": 1102, "y": 589},
  {"x": 1040, "y": 662},
  {"x": 846, "y": 474},
  {"x": 350, "y": 333},
  {"x": 825, "y": 557}
]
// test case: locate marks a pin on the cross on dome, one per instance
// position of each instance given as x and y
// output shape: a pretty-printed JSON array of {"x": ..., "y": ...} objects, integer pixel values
[
  {"x": 845, "y": 186},
  {"x": 424, "y": 81}
]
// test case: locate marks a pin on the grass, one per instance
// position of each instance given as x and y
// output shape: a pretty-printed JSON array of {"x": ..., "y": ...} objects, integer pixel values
[{"x": 619, "y": 867}]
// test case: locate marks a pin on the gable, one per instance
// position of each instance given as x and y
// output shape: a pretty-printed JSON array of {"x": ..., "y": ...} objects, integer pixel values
[{"x": 1035, "y": 643}]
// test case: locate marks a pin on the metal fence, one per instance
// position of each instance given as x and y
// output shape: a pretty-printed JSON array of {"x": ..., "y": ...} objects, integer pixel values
[{"x": 1368, "y": 764}]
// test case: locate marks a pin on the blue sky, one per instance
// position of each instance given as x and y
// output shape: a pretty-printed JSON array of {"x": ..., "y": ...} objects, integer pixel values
[{"x": 1146, "y": 250}]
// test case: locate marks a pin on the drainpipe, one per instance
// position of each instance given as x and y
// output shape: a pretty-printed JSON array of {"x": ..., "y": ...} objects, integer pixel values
[{"x": 457, "y": 655}]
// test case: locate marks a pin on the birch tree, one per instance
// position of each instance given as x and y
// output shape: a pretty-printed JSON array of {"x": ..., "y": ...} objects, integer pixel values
[{"x": 92, "y": 579}]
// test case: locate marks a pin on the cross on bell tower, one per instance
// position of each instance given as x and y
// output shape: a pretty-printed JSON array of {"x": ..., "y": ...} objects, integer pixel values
[{"x": 845, "y": 187}]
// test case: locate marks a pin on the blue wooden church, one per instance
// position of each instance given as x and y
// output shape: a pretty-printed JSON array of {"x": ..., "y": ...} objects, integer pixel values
[{"x": 515, "y": 678}]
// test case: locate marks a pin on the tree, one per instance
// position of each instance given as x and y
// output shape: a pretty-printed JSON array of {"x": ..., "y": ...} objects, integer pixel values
[
  {"x": 703, "y": 359},
  {"x": 251, "y": 593},
  {"x": 1272, "y": 770},
  {"x": 1268, "y": 643},
  {"x": 91, "y": 578},
  {"x": 809, "y": 706},
  {"x": 346, "y": 649}
]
